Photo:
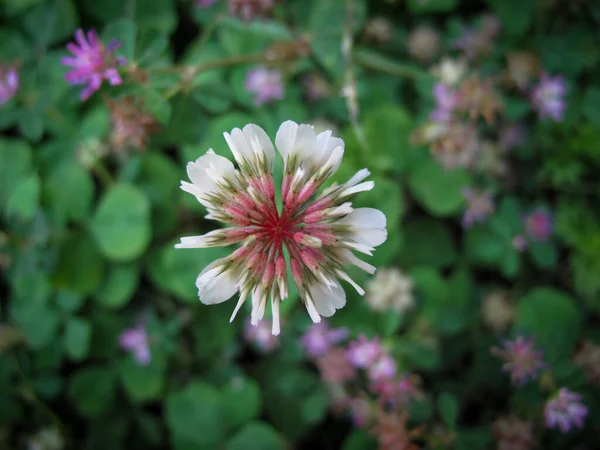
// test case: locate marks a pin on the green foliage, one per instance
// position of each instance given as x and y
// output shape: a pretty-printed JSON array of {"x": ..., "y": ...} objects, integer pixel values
[{"x": 89, "y": 224}]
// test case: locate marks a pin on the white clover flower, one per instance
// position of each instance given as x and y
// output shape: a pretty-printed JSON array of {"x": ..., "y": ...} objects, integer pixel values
[
  {"x": 318, "y": 235},
  {"x": 450, "y": 71},
  {"x": 390, "y": 289}
]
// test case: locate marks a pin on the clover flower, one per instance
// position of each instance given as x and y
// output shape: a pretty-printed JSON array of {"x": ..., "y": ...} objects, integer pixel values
[
  {"x": 136, "y": 341},
  {"x": 390, "y": 289},
  {"x": 446, "y": 100},
  {"x": 538, "y": 225},
  {"x": 260, "y": 336},
  {"x": 480, "y": 205},
  {"x": 92, "y": 63},
  {"x": 131, "y": 125},
  {"x": 334, "y": 367},
  {"x": 363, "y": 352},
  {"x": 319, "y": 338},
  {"x": 523, "y": 360},
  {"x": 318, "y": 235},
  {"x": 565, "y": 411},
  {"x": 9, "y": 83},
  {"x": 266, "y": 85},
  {"x": 513, "y": 433},
  {"x": 548, "y": 97},
  {"x": 423, "y": 43}
]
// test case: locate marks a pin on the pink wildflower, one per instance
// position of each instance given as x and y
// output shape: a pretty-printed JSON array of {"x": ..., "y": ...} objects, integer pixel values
[
  {"x": 9, "y": 83},
  {"x": 136, "y": 341},
  {"x": 548, "y": 97},
  {"x": 362, "y": 352},
  {"x": 266, "y": 85},
  {"x": 538, "y": 225},
  {"x": 319, "y": 338},
  {"x": 92, "y": 63},
  {"x": 523, "y": 361},
  {"x": 261, "y": 336},
  {"x": 480, "y": 205},
  {"x": 565, "y": 411}
]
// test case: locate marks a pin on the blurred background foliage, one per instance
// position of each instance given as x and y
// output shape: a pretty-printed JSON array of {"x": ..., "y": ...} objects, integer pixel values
[{"x": 492, "y": 235}]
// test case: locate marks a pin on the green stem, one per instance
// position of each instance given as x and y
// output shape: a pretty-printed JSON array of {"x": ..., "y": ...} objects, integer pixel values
[
  {"x": 373, "y": 60},
  {"x": 103, "y": 174}
]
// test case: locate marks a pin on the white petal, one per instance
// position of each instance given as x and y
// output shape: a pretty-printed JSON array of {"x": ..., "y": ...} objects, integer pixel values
[
  {"x": 358, "y": 177},
  {"x": 238, "y": 306},
  {"x": 239, "y": 146},
  {"x": 312, "y": 312},
  {"x": 260, "y": 142},
  {"x": 192, "y": 242},
  {"x": 215, "y": 285},
  {"x": 208, "y": 170},
  {"x": 327, "y": 299},
  {"x": 297, "y": 139},
  {"x": 348, "y": 257},
  {"x": 275, "y": 310},
  {"x": 362, "y": 187},
  {"x": 285, "y": 138},
  {"x": 344, "y": 276}
]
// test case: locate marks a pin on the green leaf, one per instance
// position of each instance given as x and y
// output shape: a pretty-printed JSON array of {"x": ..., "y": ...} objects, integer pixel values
[
  {"x": 543, "y": 254},
  {"x": 194, "y": 416},
  {"x": 77, "y": 338},
  {"x": 70, "y": 190},
  {"x": 38, "y": 324},
  {"x": 121, "y": 224},
  {"x": 176, "y": 270},
  {"x": 516, "y": 17},
  {"x": 15, "y": 162},
  {"x": 360, "y": 440},
  {"x": 159, "y": 15},
  {"x": 438, "y": 190},
  {"x": 119, "y": 286},
  {"x": 448, "y": 407},
  {"x": 155, "y": 104},
  {"x": 24, "y": 199},
  {"x": 143, "y": 383},
  {"x": 242, "y": 401},
  {"x": 51, "y": 22},
  {"x": 92, "y": 389},
  {"x": 256, "y": 436},
  {"x": 31, "y": 125},
  {"x": 591, "y": 105},
  {"x": 552, "y": 318},
  {"x": 387, "y": 130},
  {"x": 427, "y": 242},
  {"x": 80, "y": 268},
  {"x": 428, "y": 6}
]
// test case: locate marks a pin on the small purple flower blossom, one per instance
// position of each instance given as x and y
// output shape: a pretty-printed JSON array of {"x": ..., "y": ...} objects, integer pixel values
[
  {"x": 335, "y": 367},
  {"x": 480, "y": 205},
  {"x": 136, "y": 341},
  {"x": 446, "y": 100},
  {"x": 9, "y": 83},
  {"x": 384, "y": 368},
  {"x": 548, "y": 97},
  {"x": 260, "y": 335},
  {"x": 92, "y": 63},
  {"x": 398, "y": 391},
  {"x": 362, "y": 352},
  {"x": 538, "y": 225},
  {"x": 523, "y": 361},
  {"x": 565, "y": 411},
  {"x": 319, "y": 338},
  {"x": 266, "y": 85}
]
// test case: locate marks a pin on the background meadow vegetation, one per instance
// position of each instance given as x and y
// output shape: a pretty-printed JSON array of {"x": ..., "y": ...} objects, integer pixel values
[{"x": 480, "y": 123}]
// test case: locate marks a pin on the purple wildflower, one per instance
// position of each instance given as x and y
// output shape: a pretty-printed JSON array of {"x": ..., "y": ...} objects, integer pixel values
[
  {"x": 260, "y": 335},
  {"x": 319, "y": 338},
  {"x": 92, "y": 63},
  {"x": 398, "y": 392},
  {"x": 9, "y": 83},
  {"x": 565, "y": 411},
  {"x": 523, "y": 360},
  {"x": 446, "y": 101},
  {"x": 548, "y": 97},
  {"x": 265, "y": 84},
  {"x": 362, "y": 352},
  {"x": 335, "y": 367},
  {"x": 136, "y": 341},
  {"x": 361, "y": 411},
  {"x": 538, "y": 225},
  {"x": 480, "y": 205},
  {"x": 384, "y": 368}
]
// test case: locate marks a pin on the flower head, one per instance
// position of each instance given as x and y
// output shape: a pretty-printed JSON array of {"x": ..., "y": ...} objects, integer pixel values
[
  {"x": 538, "y": 225},
  {"x": 136, "y": 341},
  {"x": 423, "y": 43},
  {"x": 480, "y": 205},
  {"x": 588, "y": 359},
  {"x": 319, "y": 235},
  {"x": 390, "y": 289},
  {"x": 334, "y": 367},
  {"x": 361, "y": 411},
  {"x": 513, "y": 433},
  {"x": 363, "y": 352},
  {"x": 383, "y": 368},
  {"x": 260, "y": 336},
  {"x": 565, "y": 411},
  {"x": 523, "y": 360},
  {"x": 131, "y": 125},
  {"x": 266, "y": 85},
  {"x": 497, "y": 310},
  {"x": 548, "y": 97},
  {"x": 380, "y": 30},
  {"x": 9, "y": 83},
  {"x": 447, "y": 100},
  {"x": 92, "y": 63},
  {"x": 248, "y": 9},
  {"x": 319, "y": 338}
]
